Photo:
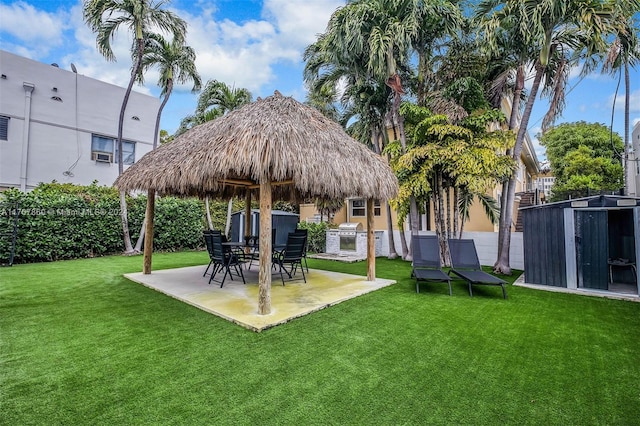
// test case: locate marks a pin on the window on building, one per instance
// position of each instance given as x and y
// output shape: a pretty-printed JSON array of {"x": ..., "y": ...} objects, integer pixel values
[
  {"x": 358, "y": 208},
  {"x": 4, "y": 128},
  {"x": 104, "y": 149}
]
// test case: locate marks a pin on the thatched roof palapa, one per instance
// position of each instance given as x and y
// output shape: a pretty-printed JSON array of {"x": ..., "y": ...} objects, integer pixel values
[
  {"x": 273, "y": 148},
  {"x": 303, "y": 153}
]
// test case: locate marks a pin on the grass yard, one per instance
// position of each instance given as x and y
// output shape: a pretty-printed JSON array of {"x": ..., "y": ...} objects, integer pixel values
[{"x": 80, "y": 344}]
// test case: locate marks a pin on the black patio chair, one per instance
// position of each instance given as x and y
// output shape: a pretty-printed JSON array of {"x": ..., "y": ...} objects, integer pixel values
[
  {"x": 255, "y": 251},
  {"x": 426, "y": 261},
  {"x": 209, "y": 244},
  {"x": 290, "y": 256},
  {"x": 465, "y": 264},
  {"x": 222, "y": 259},
  {"x": 304, "y": 232}
]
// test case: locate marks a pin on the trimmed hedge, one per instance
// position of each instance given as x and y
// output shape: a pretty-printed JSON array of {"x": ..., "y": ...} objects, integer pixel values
[
  {"x": 316, "y": 236},
  {"x": 65, "y": 221}
]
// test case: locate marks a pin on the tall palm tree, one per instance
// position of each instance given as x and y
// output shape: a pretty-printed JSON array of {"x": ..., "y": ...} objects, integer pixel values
[
  {"x": 105, "y": 17},
  {"x": 176, "y": 62},
  {"x": 623, "y": 53},
  {"x": 550, "y": 29}
]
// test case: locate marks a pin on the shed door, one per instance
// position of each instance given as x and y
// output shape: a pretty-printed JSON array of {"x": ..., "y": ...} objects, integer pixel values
[{"x": 592, "y": 249}]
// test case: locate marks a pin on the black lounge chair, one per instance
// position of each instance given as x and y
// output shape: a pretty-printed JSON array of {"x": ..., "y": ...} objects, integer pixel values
[
  {"x": 426, "y": 261},
  {"x": 221, "y": 259},
  {"x": 291, "y": 255},
  {"x": 465, "y": 264}
]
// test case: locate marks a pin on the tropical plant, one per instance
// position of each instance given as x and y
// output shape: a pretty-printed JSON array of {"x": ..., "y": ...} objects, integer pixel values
[
  {"x": 176, "y": 62},
  {"x": 105, "y": 17},
  {"x": 444, "y": 157},
  {"x": 216, "y": 99},
  {"x": 553, "y": 34},
  {"x": 623, "y": 53}
]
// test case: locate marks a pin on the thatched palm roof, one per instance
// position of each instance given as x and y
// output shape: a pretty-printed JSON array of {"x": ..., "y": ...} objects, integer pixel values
[{"x": 278, "y": 139}]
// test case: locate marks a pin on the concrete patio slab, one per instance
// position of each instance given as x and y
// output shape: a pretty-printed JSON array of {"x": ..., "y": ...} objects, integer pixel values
[{"x": 238, "y": 303}]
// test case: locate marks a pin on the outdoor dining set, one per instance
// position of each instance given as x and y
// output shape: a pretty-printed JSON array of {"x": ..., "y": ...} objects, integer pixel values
[{"x": 230, "y": 257}]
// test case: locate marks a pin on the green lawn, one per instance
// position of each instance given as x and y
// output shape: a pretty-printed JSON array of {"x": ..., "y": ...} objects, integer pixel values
[{"x": 79, "y": 344}]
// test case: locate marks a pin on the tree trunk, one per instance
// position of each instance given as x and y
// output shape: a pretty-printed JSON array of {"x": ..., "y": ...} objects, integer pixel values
[
  {"x": 456, "y": 211},
  {"x": 513, "y": 118},
  {"x": 502, "y": 264},
  {"x": 227, "y": 226},
  {"x": 148, "y": 242},
  {"x": 627, "y": 95},
  {"x": 413, "y": 206},
  {"x": 392, "y": 244},
  {"x": 403, "y": 241},
  {"x": 164, "y": 102},
  {"x": 448, "y": 207},
  {"x": 371, "y": 243},
  {"x": 143, "y": 228},
  {"x": 264, "y": 275},
  {"x": 128, "y": 248},
  {"x": 206, "y": 206}
]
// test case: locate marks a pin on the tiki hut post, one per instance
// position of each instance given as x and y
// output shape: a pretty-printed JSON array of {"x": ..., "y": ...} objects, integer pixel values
[
  {"x": 371, "y": 243},
  {"x": 247, "y": 217},
  {"x": 264, "y": 276},
  {"x": 148, "y": 233}
]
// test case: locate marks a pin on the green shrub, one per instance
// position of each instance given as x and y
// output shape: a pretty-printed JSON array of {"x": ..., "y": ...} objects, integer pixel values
[
  {"x": 317, "y": 236},
  {"x": 64, "y": 221}
]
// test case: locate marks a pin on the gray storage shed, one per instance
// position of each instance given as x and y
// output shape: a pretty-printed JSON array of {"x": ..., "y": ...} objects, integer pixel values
[
  {"x": 586, "y": 243},
  {"x": 282, "y": 222}
]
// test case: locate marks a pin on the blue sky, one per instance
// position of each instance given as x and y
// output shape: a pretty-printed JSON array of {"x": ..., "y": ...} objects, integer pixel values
[{"x": 255, "y": 44}]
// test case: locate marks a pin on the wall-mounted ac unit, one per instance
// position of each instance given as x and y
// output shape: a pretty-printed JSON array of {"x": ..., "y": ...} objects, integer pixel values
[{"x": 102, "y": 157}]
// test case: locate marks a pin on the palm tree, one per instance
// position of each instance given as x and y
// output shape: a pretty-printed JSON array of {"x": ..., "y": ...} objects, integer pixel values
[
  {"x": 219, "y": 96},
  {"x": 105, "y": 17},
  {"x": 176, "y": 62},
  {"x": 215, "y": 100},
  {"x": 550, "y": 29},
  {"x": 623, "y": 53}
]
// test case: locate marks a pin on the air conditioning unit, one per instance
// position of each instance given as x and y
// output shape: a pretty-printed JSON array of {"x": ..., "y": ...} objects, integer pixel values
[{"x": 102, "y": 157}]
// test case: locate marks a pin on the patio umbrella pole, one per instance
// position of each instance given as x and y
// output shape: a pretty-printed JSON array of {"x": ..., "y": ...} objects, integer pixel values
[
  {"x": 264, "y": 276},
  {"x": 148, "y": 233},
  {"x": 371, "y": 243}
]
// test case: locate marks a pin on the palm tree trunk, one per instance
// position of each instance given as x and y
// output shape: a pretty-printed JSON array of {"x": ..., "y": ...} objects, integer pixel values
[
  {"x": 627, "y": 95},
  {"x": 440, "y": 226},
  {"x": 456, "y": 211},
  {"x": 504, "y": 236},
  {"x": 413, "y": 206},
  {"x": 227, "y": 227},
  {"x": 392, "y": 244},
  {"x": 206, "y": 206},
  {"x": 448, "y": 207},
  {"x": 138, "y": 245},
  {"x": 513, "y": 118},
  {"x": 164, "y": 102},
  {"x": 403, "y": 241},
  {"x": 128, "y": 248}
]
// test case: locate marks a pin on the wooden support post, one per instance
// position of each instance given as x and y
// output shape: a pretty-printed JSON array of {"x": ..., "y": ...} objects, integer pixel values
[
  {"x": 371, "y": 243},
  {"x": 148, "y": 233},
  {"x": 264, "y": 276},
  {"x": 247, "y": 219}
]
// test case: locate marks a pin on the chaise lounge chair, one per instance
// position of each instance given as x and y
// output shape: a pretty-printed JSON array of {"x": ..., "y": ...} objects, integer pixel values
[
  {"x": 465, "y": 264},
  {"x": 426, "y": 261}
]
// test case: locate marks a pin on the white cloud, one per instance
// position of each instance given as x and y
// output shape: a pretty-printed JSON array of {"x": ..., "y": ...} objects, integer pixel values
[{"x": 43, "y": 31}]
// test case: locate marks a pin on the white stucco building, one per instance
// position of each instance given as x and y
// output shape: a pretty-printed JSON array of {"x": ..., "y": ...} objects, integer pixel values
[
  {"x": 633, "y": 172},
  {"x": 60, "y": 125}
]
